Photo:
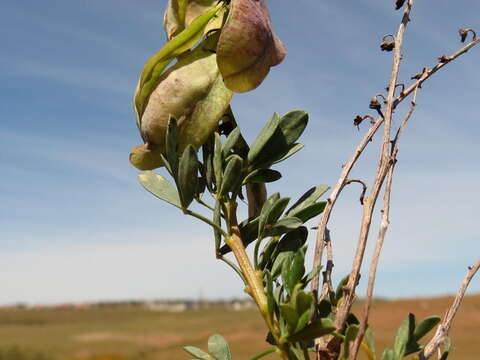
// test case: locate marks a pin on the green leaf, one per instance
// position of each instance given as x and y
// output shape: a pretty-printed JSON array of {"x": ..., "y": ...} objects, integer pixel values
[
  {"x": 289, "y": 244},
  {"x": 289, "y": 313},
  {"x": 425, "y": 326},
  {"x": 352, "y": 319},
  {"x": 312, "y": 274},
  {"x": 264, "y": 213},
  {"x": 266, "y": 257},
  {"x": 403, "y": 336},
  {"x": 305, "y": 305},
  {"x": 370, "y": 342},
  {"x": 278, "y": 263},
  {"x": 303, "y": 320},
  {"x": 412, "y": 347},
  {"x": 294, "y": 148},
  {"x": 271, "y": 215},
  {"x": 232, "y": 177},
  {"x": 187, "y": 175},
  {"x": 270, "y": 339},
  {"x": 207, "y": 152},
  {"x": 421, "y": 329},
  {"x": 171, "y": 153},
  {"x": 307, "y": 199},
  {"x": 309, "y": 211},
  {"x": 218, "y": 161},
  {"x": 160, "y": 187},
  {"x": 293, "y": 124},
  {"x": 303, "y": 301},
  {"x": 293, "y": 240},
  {"x": 280, "y": 138},
  {"x": 447, "y": 345},
  {"x": 288, "y": 283},
  {"x": 263, "y": 138},
  {"x": 277, "y": 210},
  {"x": 248, "y": 232},
  {"x": 218, "y": 347},
  {"x": 217, "y": 221},
  {"x": 270, "y": 297},
  {"x": 324, "y": 308},
  {"x": 388, "y": 354},
  {"x": 314, "y": 330},
  {"x": 201, "y": 186},
  {"x": 283, "y": 226},
  {"x": 231, "y": 141},
  {"x": 339, "y": 290},
  {"x": 262, "y": 176},
  {"x": 293, "y": 270},
  {"x": 198, "y": 353},
  {"x": 350, "y": 335}
]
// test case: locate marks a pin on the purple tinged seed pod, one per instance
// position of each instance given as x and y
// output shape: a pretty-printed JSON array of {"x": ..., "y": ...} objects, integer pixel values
[{"x": 248, "y": 46}]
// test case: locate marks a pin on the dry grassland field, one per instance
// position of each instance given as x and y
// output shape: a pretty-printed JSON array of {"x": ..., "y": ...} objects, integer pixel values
[{"x": 135, "y": 333}]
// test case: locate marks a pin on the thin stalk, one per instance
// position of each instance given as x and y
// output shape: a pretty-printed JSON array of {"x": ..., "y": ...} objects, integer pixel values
[
  {"x": 253, "y": 278},
  {"x": 205, "y": 220},
  {"x": 264, "y": 353},
  {"x": 255, "y": 252},
  {"x": 201, "y": 202},
  {"x": 234, "y": 267}
]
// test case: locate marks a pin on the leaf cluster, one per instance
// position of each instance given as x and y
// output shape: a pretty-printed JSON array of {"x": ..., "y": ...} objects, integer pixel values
[
  {"x": 408, "y": 335},
  {"x": 225, "y": 168}
]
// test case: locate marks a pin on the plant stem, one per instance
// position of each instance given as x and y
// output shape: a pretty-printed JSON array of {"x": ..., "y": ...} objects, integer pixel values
[
  {"x": 254, "y": 281},
  {"x": 253, "y": 278},
  {"x": 264, "y": 353},
  {"x": 205, "y": 220}
]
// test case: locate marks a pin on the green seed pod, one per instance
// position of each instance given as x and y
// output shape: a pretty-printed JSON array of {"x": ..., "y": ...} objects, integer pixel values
[
  {"x": 248, "y": 46},
  {"x": 193, "y": 92}
]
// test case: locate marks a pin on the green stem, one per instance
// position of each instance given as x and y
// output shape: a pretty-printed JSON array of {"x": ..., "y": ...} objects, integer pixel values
[
  {"x": 255, "y": 252},
  {"x": 205, "y": 220},
  {"x": 201, "y": 202},
  {"x": 264, "y": 353},
  {"x": 234, "y": 267},
  {"x": 254, "y": 282},
  {"x": 253, "y": 278}
]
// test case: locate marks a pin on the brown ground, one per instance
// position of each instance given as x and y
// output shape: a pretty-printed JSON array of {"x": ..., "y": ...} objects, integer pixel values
[{"x": 139, "y": 334}]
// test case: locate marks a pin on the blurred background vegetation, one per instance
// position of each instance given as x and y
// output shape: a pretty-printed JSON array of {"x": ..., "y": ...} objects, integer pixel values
[{"x": 135, "y": 331}]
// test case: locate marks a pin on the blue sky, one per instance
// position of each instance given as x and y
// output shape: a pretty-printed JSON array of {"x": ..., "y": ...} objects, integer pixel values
[{"x": 74, "y": 223}]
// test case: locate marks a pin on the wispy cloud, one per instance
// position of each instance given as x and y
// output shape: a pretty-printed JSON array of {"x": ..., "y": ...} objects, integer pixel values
[
  {"x": 155, "y": 268},
  {"x": 70, "y": 183},
  {"x": 85, "y": 77},
  {"x": 100, "y": 156}
]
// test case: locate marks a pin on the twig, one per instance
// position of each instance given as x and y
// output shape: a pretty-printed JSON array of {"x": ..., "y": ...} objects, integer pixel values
[
  {"x": 444, "y": 327},
  {"x": 430, "y": 72},
  {"x": 385, "y": 222},
  {"x": 364, "y": 187},
  {"x": 322, "y": 226},
  {"x": 327, "y": 274},
  {"x": 346, "y": 169},
  {"x": 425, "y": 75},
  {"x": 383, "y": 168}
]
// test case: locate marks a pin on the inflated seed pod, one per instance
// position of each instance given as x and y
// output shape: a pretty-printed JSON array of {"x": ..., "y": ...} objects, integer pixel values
[
  {"x": 193, "y": 92},
  {"x": 248, "y": 46}
]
